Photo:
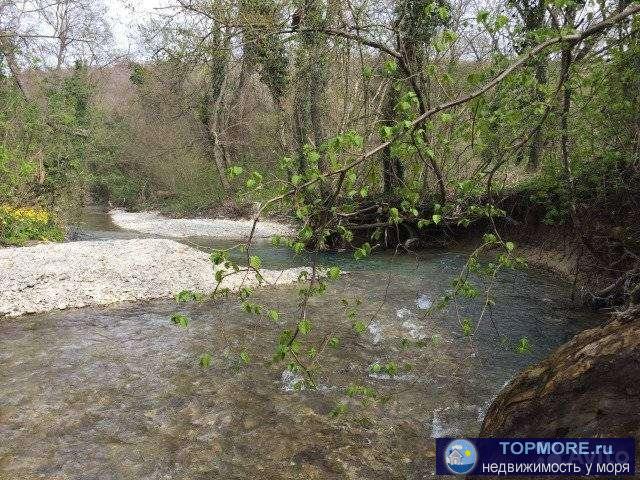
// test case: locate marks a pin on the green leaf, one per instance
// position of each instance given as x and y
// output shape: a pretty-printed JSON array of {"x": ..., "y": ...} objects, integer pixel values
[
  {"x": 362, "y": 252},
  {"x": 390, "y": 67},
  {"x": 467, "y": 327},
  {"x": 339, "y": 409},
  {"x": 375, "y": 368},
  {"x": 245, "y": 292},
  {"x": 524, "y": 346},
  {"x": 274, "y": 315},
  {"x": 490, "y": 238},
  {"x": 436, "y": 218},
  {"x": 296, "y": 180},
  {"x": 305, "y": 327},
  {"x": 244, "y": 356},
  {"x": 334, "y": 273},
  {"x": 235, "y": 171},
  {"x": 298, "y": 247},
  {"x": 391, "y": 368},
  {"x": 276, "y": 241},
  {"x": 180, "y": 320},
  {"x": 386, "y": 132},
  {"x": 251, "y": 307},
  {"x": 359, "y": 327},
  {"x": 394, "y": 216},
  {"x": 188, "y": 296},
  {"x": 482, "y": 16},
  {"x": 255, "y": 262},
  {"x": 205, "y": 360},
  {"x": 360, "y": 391},
  {"x": 305, "y": 234},
  {"x": 218, "y": 256}
]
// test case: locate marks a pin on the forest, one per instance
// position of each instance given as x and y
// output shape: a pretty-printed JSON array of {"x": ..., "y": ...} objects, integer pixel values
[
  {"x": 365, "y": 120},
  {"x": 354, "y": 132}
]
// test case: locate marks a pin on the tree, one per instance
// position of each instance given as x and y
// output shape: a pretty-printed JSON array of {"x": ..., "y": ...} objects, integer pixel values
[
  {"x": 533, "y": 19},
  {"x": 416, "y": 25}
]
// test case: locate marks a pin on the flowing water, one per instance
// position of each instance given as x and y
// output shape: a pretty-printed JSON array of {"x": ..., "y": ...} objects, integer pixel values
[{"x": 117, "y": 393}]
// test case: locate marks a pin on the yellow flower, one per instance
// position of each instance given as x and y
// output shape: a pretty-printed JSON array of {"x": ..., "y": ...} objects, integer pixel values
[{"x": 32, "y": 214}]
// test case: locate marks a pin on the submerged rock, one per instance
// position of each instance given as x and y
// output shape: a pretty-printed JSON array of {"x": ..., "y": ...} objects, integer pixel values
[
  {"x": 424, "y": 302},
  {"x": 590, "y": 387},
  {"x": 69, "y": 275}
]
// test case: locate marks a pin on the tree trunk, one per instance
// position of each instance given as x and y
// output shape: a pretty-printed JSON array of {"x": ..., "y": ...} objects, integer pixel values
[
  {"x": 533, "y": 18},
  {"x": 8, "y": 51},
  {"x": 392, "y": 168},
  {"x": 310, "y": 109},
  {"x": 210, "y": 131},
  {"x": 536, "y": 141}
]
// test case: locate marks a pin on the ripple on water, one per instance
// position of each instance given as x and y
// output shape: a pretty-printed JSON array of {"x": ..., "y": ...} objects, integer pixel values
[
  {"x": 291, "y": 380},
  {"x": 424, "y": 302},
  {"x": 456, "y": 420},
  {"x": 376, "y": 332},
  {"x": 416, "y": 332},
  {"x": 121, "y": 392}
]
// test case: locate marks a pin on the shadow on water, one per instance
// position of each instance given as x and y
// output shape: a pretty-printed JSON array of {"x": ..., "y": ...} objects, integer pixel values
[{"x": 117, "y": 393}]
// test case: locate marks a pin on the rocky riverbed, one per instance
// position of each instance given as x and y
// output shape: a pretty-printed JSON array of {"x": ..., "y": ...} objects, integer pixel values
[
  {"x": 118, "y": 391},
  {"x": 153, "y": 223},
  {"x": 78, "y": 274}
]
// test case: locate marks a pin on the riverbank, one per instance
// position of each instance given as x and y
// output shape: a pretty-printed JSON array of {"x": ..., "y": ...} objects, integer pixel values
[
  {"x": 71, "y": 275},
  {"x": 154, "y": 223}
]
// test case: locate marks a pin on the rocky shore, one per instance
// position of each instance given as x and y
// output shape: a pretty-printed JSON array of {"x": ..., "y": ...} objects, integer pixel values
[
  {"x": 70, "y": 275},
  {"x": 153, "y": 223}
]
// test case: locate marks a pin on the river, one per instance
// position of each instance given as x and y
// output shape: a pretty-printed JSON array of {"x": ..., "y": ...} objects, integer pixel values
[{"x": 117, "y": 392}]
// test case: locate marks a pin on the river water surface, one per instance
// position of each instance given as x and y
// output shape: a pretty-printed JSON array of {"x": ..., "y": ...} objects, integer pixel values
[{"x": 118, "y": 392}]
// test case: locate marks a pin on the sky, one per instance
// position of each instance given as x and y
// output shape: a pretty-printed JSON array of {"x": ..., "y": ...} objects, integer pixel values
[{"x": 126, "y": 15}]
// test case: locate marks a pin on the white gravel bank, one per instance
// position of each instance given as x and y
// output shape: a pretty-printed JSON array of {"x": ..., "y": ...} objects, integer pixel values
[
  {"x": 153, "y": 223},
  {"x": 69, "y": 275}
]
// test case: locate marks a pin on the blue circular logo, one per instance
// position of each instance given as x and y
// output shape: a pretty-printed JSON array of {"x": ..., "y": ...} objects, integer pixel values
[{"x": 460, "y": 456}]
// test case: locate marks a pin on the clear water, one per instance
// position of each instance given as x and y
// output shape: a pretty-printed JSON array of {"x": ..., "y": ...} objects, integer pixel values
[{"x": 117, "y": 393}]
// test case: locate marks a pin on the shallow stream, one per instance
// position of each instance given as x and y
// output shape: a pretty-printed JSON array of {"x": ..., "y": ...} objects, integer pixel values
[{"x": 117, "y": 392}]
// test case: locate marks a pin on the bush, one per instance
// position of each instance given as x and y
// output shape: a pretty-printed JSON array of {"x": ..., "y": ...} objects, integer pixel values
[{"x": 19, "y": 225}]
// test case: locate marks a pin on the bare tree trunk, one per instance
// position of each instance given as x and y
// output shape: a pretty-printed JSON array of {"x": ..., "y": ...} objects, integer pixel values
[
  {"x": 211, "y": 133},
  {"x": 536, "y": 141},
  {"x": 300, "y": 124},
  {"x": 533, "y": 18},
  {"x": 7, "y": 49},
  {"x": 565, "y": 65},
  {"x": 414, "y": 55},
  {"x": 392, "y": 169},
  {"x": 310, "y": 103},
  {"x": 564, "y": 117},
  {"x": 281, "y": 112}
]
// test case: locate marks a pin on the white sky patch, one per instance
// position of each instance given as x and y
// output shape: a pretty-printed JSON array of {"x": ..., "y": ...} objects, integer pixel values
[{"x": 126, "y": 16}]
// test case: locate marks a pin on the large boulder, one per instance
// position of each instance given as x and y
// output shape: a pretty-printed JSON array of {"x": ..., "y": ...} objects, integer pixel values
[{"x": 589, "y": 387}]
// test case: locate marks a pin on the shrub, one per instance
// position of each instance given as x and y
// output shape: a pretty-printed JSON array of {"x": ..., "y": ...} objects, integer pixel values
[{"x": 19, "y": 225}]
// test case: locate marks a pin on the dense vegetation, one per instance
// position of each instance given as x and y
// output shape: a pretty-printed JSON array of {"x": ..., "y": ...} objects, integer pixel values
[{"x": 376, "y": 125}]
